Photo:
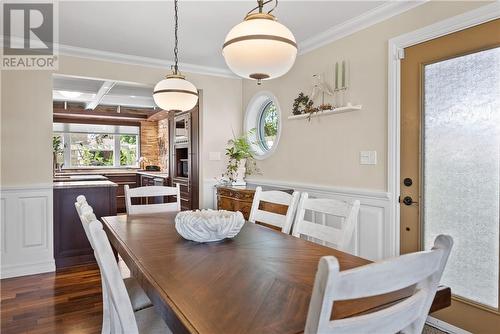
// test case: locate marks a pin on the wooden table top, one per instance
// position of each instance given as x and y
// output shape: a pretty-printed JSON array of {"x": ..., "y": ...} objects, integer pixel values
[{"x": 259, "y": 282}]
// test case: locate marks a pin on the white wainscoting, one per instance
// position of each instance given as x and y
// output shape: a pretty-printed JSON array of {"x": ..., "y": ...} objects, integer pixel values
[
  {"x": 27, "y": 230},
  {"x": 375, "y": 237}
]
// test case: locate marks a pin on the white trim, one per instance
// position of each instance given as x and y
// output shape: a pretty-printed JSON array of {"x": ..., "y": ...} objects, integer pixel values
[
  {"x": 27, "y": 187},
  {"x": 373, "y": 238},
  {"x": 466, "y": 20},
  {"x": 74, "y": 51},
  {"x": 363, "y": 21},
  {"x": 362, "y": 193},
  {"x": 27, "y": 269},
  {"x": 252, "y": 118},
  {"x": 445, "y": 327},
  {"x": 114, "y": 57},
  {"x": 26, "y": 222}
]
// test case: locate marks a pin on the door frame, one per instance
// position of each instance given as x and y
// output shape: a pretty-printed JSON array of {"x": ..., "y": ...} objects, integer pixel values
[{"x": 396, "y": 48}]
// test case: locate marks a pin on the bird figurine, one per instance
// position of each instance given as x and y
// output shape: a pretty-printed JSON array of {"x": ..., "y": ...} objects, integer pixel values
[{"x": 320, "y": 88}]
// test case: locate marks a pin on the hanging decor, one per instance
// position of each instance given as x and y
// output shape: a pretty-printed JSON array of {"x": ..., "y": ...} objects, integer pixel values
[
  {"x": 260, "y": 48},
  {"x": 175, "y": 92}
]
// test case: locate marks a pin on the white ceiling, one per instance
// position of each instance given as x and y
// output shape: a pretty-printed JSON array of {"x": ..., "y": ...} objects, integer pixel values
[
  {"x": 145, "y": 28},
  {"x": 85, "y": 90}
]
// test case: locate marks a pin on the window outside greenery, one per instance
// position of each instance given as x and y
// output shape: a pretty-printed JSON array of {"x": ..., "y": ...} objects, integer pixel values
[
  {"x": 88, "y": 149},
  {"x": 268, "y": 126},
  {"x": 96, "y": 149},
  {"x": 128, "y": 150}
]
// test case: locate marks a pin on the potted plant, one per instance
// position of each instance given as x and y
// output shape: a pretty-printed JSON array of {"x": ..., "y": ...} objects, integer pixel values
[
  {"x": 241, "y": 159},
  {"x": 57, "y": 152}
]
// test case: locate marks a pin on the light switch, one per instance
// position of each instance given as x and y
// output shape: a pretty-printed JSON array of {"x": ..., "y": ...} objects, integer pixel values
[
  {"x": 368, "y": 157},
  {"x": 214, "y": 156}
]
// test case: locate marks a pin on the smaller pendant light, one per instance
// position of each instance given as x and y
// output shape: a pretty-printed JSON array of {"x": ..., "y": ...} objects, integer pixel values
[
  {"x": 259, "y": 47},
  {"x": 175, "y": 92}
]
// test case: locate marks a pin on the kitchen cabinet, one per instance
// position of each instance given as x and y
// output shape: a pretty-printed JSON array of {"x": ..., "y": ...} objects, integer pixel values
[
  {"x": 71, "y": 246},
  {"x": 122, "y": 179}
]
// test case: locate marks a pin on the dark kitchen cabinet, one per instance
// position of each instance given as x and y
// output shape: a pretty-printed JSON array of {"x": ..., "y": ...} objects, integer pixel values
[{"x": 71, "y": 246}]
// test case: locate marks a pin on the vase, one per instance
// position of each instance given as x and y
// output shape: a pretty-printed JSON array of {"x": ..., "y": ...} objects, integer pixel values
[{"x": 239, "y": 174}]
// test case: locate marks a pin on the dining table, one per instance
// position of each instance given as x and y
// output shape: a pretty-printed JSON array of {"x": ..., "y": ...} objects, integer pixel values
[{"x": 260, "y": 281}]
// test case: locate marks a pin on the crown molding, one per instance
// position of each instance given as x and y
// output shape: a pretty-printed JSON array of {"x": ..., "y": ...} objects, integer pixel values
[
  {"x": 73, "y": 51},
  {"x": 363, "y": 21},
  {"x": 67, "y": 50}
]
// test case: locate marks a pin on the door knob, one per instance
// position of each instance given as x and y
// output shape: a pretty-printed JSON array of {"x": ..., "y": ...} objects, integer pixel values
[{"x": 407, "y": 200}]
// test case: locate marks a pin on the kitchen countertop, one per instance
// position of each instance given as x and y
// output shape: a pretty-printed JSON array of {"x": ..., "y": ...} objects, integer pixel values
[
  {"x": 83, "y": 184},
  {"x": 82, "y": 177},
  {"x": 113, "y": 171},
  {"x": 153, "y": 173}
]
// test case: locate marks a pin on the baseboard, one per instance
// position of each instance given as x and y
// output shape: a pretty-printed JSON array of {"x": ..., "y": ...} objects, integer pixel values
[
  {"x": 445, "y": 327},
  {"x": 27, "y": 269}
]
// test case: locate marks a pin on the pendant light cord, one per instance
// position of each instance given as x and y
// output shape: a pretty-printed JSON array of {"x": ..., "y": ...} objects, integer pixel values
[{"x": 176, "y": 41}]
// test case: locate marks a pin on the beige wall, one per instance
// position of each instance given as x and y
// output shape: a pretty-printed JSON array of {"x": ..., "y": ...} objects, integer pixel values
[
  {"x": 27, "y": 115},
  {"x": 325, "y": 151},
  {"x": 26, "y": 128}
]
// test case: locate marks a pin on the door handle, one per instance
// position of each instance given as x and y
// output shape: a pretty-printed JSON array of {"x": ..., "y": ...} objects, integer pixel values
[{"x": 407, "y": 200}]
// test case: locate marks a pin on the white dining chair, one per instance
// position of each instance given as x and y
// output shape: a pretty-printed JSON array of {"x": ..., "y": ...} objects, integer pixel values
[
  {"x": 276, "y": 197},
  {"x": 420, "y": 271},
  {"x": 320, "y": 208},
  {"x": 138, "y": 297},
  {"x": 152, "y": 191},
  {"x": 123, "y": 318}
]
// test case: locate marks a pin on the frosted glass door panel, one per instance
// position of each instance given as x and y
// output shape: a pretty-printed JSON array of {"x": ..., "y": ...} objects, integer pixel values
[{"x": 461, "y": 169}]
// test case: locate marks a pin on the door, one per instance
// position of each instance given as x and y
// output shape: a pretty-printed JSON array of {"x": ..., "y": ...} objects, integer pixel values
[{"x": 450, "y": 165}]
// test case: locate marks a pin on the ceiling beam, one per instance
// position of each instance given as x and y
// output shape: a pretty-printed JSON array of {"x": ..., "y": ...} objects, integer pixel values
[{"x": 105, "y": 88}]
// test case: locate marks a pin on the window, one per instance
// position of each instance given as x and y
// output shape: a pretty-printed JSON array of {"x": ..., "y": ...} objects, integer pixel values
[
  {"x": 263, "y": 122},
  {"x": 268, "y": 126},
  {"x": 97, "y": 145}
]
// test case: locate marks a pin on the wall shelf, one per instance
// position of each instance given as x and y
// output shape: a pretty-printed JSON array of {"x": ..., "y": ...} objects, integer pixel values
[{"x": 327, "y": 112}]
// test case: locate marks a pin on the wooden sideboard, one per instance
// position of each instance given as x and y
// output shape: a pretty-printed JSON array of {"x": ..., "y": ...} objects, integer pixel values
[{"x": 240, "y": 199}]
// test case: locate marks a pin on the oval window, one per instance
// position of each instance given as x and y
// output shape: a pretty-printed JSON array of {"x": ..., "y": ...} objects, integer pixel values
[{"x": 263, "y": 123}]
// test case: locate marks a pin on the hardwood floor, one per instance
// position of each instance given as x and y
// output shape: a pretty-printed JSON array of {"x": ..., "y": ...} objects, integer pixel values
[{"x": 67, "y": 301}]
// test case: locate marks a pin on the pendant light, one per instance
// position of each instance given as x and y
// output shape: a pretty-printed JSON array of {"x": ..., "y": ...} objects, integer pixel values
[
  {"x": 175, "y": 92},
  {"x": 260, "y": 48}
]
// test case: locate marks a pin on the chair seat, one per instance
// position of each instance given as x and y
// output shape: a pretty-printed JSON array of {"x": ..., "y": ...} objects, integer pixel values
[
  {"x": 138, "y": 297},
  {"x": 150, "y": 322}
]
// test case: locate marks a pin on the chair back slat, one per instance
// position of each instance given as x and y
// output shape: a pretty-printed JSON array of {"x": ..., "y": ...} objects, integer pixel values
[
  {"x": 276, "y": 196},
  {"x": 318, "y": 227},
  {"x": 327, "y": 206},
  {"x": 121, "y": 307},
  {"x": 318, "y": 231},
  {"x": 420, "y": 272},
  {"x": 152, "y": 191},
  {"x": 274, "y": 219},
  {"x": 271, "y": 218},
  {"x": 387, "y": 276},
  {"x": 388, "y": 320}
]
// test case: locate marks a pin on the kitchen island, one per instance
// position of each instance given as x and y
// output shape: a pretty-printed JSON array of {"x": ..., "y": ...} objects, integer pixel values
[{"x": 71, "y": 246}]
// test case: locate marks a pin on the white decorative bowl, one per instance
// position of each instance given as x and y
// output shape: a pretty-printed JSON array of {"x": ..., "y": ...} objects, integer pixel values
[{"x": 208, "y": 225}]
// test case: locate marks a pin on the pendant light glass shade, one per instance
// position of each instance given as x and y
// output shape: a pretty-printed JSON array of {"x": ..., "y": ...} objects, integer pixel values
[
  {"x": 260, "y": 48},
  {"x": 175, "y": 93}
]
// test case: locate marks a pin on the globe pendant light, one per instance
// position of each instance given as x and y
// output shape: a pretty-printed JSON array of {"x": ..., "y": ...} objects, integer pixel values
[
  {"x": 175, "y": 92},
  {"x": 260, "y": 48}
]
